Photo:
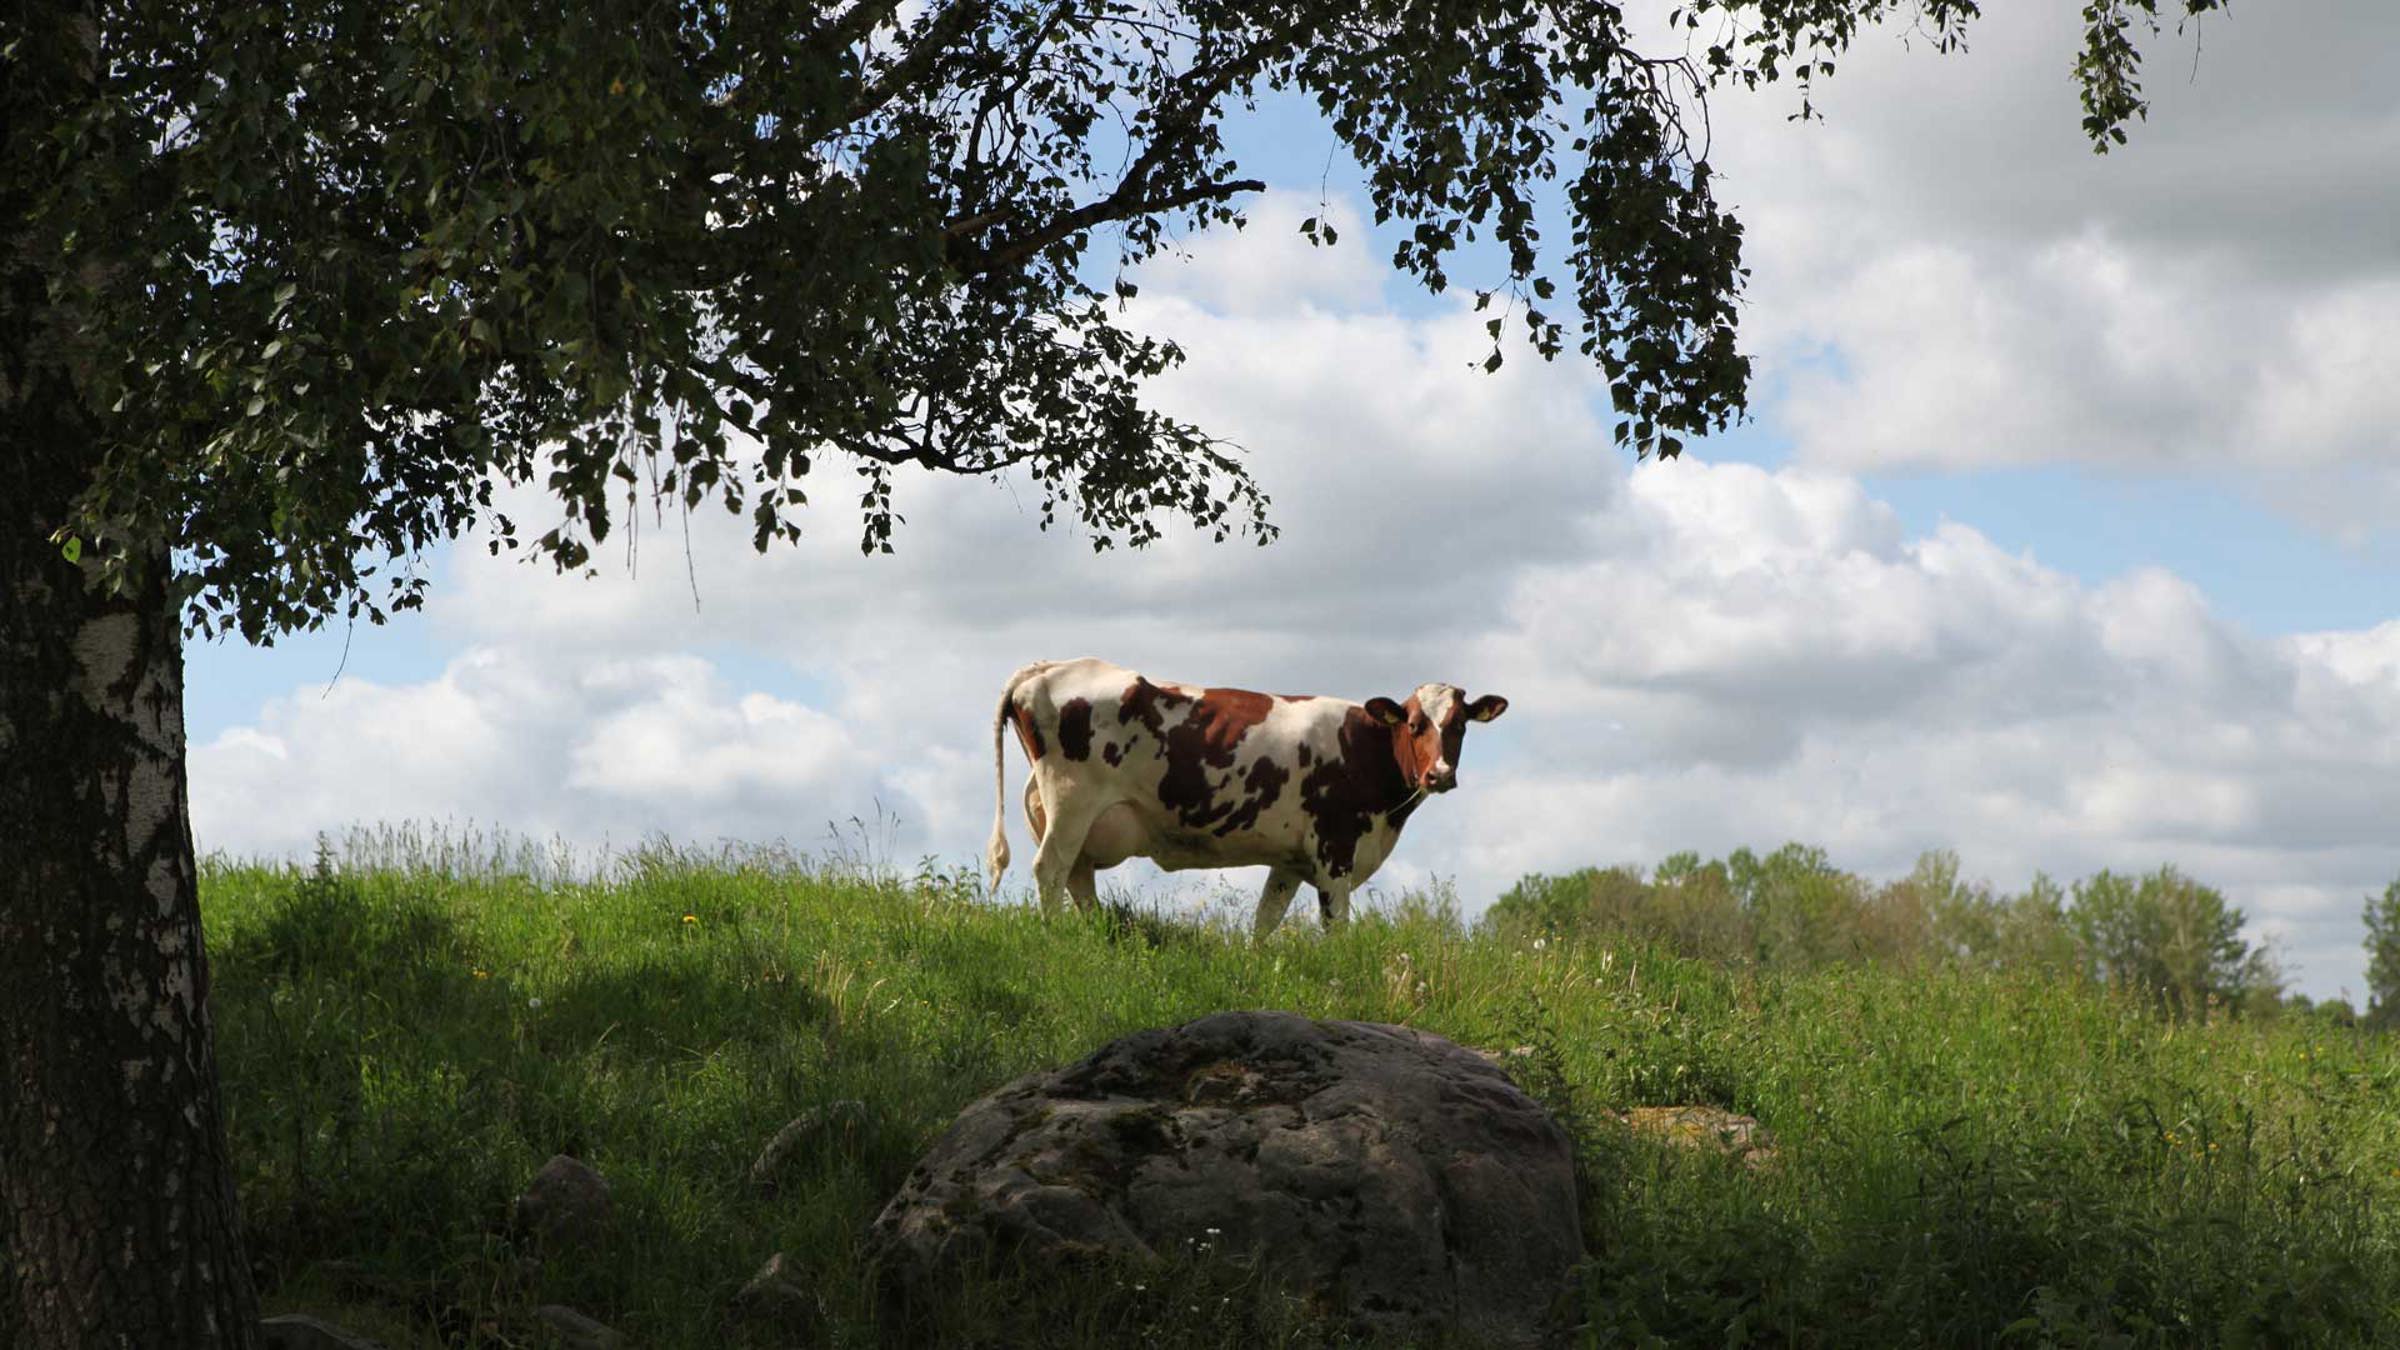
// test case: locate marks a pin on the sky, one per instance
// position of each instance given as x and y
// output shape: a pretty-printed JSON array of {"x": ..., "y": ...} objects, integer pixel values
[{"x": 2062, "y": 536}]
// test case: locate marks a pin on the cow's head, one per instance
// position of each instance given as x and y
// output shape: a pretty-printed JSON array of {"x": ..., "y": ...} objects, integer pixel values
[{"x": 1428, "y": 730}]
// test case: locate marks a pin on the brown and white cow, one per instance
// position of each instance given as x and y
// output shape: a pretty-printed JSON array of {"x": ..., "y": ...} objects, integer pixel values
[{"x": 1127, "y": 767}]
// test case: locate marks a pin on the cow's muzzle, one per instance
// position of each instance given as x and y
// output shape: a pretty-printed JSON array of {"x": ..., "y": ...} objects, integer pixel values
[{"x": 1441, "y": 780}]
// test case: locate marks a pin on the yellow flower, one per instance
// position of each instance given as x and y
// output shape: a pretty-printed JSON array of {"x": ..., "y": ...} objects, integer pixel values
[
  {"x": 691, "y": 918},
  {"x": 482, "y": 974}
]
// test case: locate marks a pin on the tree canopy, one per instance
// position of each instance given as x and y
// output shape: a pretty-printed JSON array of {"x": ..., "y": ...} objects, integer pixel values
[
  {"x": 2382, "y": 915},
  {"x": 336, "y": 270}
]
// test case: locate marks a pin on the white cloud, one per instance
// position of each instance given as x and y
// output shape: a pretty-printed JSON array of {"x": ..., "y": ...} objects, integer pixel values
[
  {"x": 1946, "y": 278},
  {"x": 1277, "y": 272},
  {"x": 604, "y": 751}
]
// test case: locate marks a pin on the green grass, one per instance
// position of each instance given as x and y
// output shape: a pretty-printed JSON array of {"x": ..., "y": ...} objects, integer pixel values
[{"x": 1965, "y": 1160}]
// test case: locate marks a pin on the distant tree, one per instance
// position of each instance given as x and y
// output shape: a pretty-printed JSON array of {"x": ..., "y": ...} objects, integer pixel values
[
  {"x": 2171, "y": 938},
  {"x": 2335, "y": 1011},
  {"x": 2383, "y": 958},
  {"x": 1803, "y": 909},
  {"x": 1931, "y": 916},
  {"x": 2033, "y": 933},
  {"x": 290, "y": 290},
  {"x": 1697, "y": 913}
]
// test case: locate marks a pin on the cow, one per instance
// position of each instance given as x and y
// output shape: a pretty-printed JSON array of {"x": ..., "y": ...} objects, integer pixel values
[{"x": 1128, "y": 767}]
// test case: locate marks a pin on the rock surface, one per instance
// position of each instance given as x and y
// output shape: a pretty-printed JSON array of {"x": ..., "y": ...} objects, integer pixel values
[
  {"x": 576, "y": 1331},
  {"x": 1395, "y": 1179},
  {"x": 299, "y": 1331},
  {"x": 1704, "y": 1127},
  {"x": 834, "y": 1122},
  {"x": 565, "y": 1205},
  {"x": 775, "y": 1293}
]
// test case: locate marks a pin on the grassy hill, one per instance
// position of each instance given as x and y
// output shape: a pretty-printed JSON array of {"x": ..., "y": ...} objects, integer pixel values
[{"x": 1963, "y": 1159}]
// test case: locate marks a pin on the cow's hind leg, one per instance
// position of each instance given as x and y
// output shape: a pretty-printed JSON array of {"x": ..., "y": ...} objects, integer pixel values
[
  {"x": 1082, "y": 886},
  {"x": 1333, "y": 906},
  {"x": 1273, "y": 901},
  {"x": 1055, "y": 862}
]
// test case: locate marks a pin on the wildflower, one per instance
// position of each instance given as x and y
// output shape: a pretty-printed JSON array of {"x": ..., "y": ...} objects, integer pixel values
[
  {"x": 534, "y": 1002},
  {"x": 482, "y": 974},
  {"x": 1539, "y": 943},
  {"x": 691, "y": 918}
]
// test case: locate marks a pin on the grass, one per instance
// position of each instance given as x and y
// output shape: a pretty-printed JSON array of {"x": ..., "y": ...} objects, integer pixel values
[{"x": 1964, "y": 1160}]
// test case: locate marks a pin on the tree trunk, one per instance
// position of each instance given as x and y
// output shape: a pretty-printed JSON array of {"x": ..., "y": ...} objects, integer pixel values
[{"x": 118, "y": 1223}]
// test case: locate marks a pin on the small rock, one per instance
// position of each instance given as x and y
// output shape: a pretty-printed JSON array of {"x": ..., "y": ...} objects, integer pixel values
[
  {"x": 299, "y": 1331},
  {"x": 1710, "y": 1127},
  {"x": 576, "y": 1331},
  {"x": 565, "y": 1205},
  {"x": 844, "y": 1118},
  {"x": 775, "y": 1293}
]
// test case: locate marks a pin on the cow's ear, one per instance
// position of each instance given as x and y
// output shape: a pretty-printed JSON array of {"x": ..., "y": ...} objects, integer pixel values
[
  {"x": 1488, "y": 707},
  {"x": 1385, "y": 711}
]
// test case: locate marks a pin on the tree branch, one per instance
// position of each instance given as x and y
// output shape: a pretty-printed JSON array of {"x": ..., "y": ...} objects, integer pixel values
[
  {"x": 1114, "y": 206},
  {"x": 912, "y": 65},
  {"x": 856, "y": 25}
]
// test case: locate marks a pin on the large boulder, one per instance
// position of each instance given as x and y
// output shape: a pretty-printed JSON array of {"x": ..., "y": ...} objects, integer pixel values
[{"x": 1400, "y": 1181}]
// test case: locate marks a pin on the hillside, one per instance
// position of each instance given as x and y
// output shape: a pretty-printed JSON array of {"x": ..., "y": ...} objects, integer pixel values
[{"x": 1962, "y": 1159}]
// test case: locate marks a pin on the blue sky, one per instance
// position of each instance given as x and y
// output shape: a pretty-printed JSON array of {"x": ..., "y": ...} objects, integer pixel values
[{"x": 2054, "y": 460}]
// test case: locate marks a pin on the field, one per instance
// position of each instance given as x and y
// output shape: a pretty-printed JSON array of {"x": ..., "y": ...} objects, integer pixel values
[{"x": 407, "y": 1033}]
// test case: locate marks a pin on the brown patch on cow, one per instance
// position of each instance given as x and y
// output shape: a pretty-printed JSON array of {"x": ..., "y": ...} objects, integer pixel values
[
  {"x": 1345, "y": 794},
  {"x": 1260, "y": 787},
  {"x": 1113, "y": 753},
  {"x": 1295, "y": 698},
  {"x": 1453, "y": 730},
  {"x": 1414, "y": 750},
  {"x": 1148, "y": 704},
  {"x": 1075, "y": 728},
  {"x": 1205, "y": 740},
  {"x": 1301, "y": 754},
  {"x": 1029, "y": 734}
]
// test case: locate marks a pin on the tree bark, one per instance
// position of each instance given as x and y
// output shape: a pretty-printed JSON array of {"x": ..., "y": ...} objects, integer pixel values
[
  {"x": 118, "y": 1222},
  {"x": 117, "y": 1209}
]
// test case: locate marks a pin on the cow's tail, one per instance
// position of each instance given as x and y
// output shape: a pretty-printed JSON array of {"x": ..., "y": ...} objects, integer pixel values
[{"x": 995, "y": 855}]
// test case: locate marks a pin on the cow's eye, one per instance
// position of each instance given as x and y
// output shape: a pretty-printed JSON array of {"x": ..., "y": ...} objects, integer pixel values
[{"x": 1417, "y": 723}]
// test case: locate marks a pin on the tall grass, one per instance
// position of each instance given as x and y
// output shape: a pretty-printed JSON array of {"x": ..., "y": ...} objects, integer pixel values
[{"x": 1965, "y": 1159}]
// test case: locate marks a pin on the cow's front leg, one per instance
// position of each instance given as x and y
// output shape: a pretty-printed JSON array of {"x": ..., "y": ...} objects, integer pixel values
[
  {"x": 1272, "y": 902},
  {"x": 1333, "y": 905}
]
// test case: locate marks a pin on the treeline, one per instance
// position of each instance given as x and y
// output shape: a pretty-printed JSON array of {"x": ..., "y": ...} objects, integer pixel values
[{"x": 2164, "y": 934}]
